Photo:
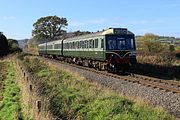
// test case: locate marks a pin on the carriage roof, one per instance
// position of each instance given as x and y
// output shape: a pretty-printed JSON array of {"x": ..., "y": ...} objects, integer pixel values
[
  {"x": 102, "y": 33},
  {"x": 109, "y": 31}
]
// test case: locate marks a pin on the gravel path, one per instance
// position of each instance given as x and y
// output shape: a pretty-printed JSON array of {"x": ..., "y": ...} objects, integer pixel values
[{"x": 156, "y": 97}]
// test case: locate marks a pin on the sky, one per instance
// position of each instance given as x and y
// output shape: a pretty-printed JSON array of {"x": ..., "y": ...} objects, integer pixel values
[{"x": 161, "y": 17}]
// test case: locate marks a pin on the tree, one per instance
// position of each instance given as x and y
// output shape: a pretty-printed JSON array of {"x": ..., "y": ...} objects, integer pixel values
[
  {"x": 149, "y": 37},
  {"x": 150, "y": 44},
  {"x": 4, "y": 49},
  {"x": 171, "y": 48},
  {"x": 154, "y": 47},
  {"x": 78, "y": 33},
  {"x": 49, "y": 27},
  {"x": 32, "y": 46},
  {"x": 13, "y": 46}
]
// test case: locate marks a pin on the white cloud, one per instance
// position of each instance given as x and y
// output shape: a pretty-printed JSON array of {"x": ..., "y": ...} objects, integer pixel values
[
  {"x": 95, "y": 21},
  {"x": 140, "y": 22},
  {"x": 177, "y": 34},
  {"x": 144, "y": 30},
  {"x": 86, "y": 22},
  {"x": 146, "y": 22},
  {"x": 7, "y": 18},
  {"x": 76, "y": 23}
]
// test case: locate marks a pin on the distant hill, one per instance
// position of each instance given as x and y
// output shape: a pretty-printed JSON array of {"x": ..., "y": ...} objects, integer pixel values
[
  {"x": 169, "y": 40},
  {"x": 22, "y": 43},
  {"x": 165, "y": 39}
]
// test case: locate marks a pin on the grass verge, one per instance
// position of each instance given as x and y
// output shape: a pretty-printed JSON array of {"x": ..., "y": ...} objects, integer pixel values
[
  {"x": 72, "y": 97},
  {"x": 10, "y": 104}
]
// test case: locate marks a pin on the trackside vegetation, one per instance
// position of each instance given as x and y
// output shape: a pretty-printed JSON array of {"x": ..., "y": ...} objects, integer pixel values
[
  {"x": 71, "y": 97},
  {"x": 10, "y": 108}
]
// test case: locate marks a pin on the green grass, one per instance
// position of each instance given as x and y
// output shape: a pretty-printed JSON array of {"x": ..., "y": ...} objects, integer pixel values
[
  {"x": 177, "y": 48},
  {"x": 2, "y": 77},
  {"x": 10, "y": 105},
  {"x": 72, "y": 97}
]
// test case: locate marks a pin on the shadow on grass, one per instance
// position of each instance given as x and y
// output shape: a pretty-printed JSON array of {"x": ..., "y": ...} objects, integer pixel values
[{"x": 162, "y": 72}]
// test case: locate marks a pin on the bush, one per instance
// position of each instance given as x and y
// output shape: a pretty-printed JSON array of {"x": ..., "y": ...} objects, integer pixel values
[
  {"x": 171, "y": 48},
  {"x": 178, "y": 54},
  {"x": 154, "y": 47},
  {"x": 4, "y": 49},
  {"x": 13, "y": 46}
]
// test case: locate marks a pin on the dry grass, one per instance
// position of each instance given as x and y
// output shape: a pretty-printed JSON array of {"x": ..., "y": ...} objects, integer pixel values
[
  {"x": 158, "y": 60},
  {"x": 158, "y": 65}
]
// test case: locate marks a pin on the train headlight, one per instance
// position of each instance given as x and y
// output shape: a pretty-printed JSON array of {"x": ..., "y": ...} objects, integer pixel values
[{"x": 132, "y": 54}]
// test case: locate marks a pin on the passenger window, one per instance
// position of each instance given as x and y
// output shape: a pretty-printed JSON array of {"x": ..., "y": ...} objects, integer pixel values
[
  {"x": 96, "y": 43},
  {"x": 93, "y": 44},
  {"x": 112, "y": 44},
  {"x": 64, "y": 46},
  {"x": 102, "y": 43},
  {"x": 87, "y": 44},
  {"x": 56, "y": 46},
  {"x": 83, "y": 44},
  {"x": 78, "y": 44},
  {"x": 73, "y": 46},
  {"x": 90, "y": 44},
  {"x": 121, "y": 44},
  {"x": 132, "y": 44},
  {"x": 67, "y": 45}
]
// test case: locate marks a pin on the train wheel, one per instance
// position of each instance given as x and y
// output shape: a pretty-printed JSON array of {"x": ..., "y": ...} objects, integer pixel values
[{"x": 109, "y": 68}]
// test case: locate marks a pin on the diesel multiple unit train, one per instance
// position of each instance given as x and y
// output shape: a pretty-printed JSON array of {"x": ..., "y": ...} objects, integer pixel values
[{"x": 113, "y": 49}]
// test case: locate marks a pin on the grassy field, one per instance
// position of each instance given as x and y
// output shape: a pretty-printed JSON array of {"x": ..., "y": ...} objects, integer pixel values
[
  {"x": 72, "y": 97},
  {"x": 10, "y": 108}
]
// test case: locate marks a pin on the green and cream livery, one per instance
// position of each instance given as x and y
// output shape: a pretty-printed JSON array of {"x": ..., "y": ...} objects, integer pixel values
[{"x": 113, "y": 49}]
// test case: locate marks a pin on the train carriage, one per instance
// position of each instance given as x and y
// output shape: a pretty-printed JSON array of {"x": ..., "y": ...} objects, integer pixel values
[
  {"x": 42, "y": 49},
  {"x": 53, "y": 48},
  {"x": 112, "y": 49},
  {"x": 85, "y": 47}
]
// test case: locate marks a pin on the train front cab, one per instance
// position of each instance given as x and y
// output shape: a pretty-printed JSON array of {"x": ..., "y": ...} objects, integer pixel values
[{"x": 120, "y": 52}]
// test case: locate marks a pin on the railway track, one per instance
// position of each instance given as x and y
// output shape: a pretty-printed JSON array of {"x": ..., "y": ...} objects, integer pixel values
[{"x": 164, "y": 85}]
